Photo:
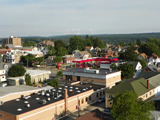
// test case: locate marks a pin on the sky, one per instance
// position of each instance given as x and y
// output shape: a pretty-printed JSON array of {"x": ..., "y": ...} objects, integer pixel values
[{"x": 62, "y": 17}]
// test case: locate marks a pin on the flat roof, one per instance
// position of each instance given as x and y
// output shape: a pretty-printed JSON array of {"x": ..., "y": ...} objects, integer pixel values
[
  {"x": 40, "y": 99},
  {"x": 82, "y": 70},
  {"x": 15, "y": 89},
  {"x": 37, "y": 72}
]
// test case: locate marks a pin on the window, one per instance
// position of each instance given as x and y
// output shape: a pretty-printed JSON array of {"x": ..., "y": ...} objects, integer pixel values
[
  {"x": 110, "y": 96},
  {"x": 151, "y": 93},
  {"x": 103, "y": 92},
  {"x": 100, "y": 93},
  {"x": 90, "y": 98},
  {"x": 146, "y": 95},
  {"x": 97, "y": 95},
  {"x": 82, "y": 101},
  {"x": 86, "y": 99}
]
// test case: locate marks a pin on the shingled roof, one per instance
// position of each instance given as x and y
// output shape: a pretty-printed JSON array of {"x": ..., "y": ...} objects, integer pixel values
[{"x": 139, "y": 86}]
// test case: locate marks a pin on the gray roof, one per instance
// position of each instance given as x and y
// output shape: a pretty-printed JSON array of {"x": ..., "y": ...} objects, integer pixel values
[
  {"x": 147, "y": 75},
  {"x": 15, "y": 89},
  {"x": 152, "y": 67},
  {"x": 155, "y": 80}
]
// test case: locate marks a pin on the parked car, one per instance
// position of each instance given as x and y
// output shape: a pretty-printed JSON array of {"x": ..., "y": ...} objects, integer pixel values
[{"x": 107, "y": 111}]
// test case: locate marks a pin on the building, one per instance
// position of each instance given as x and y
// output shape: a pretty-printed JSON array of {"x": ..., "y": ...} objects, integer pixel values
[
  {"x": 48, "y": 104},
  {"x": 45, "y": 43},
  {"x": 142, "y": 87},
  {"x": 103, "y": 77},
  {"x": 36, "y": 77},
  {"x": 15, "y": 41},
  {"x": 81, "y": 54},
  {"x": 68, "y": 58}
]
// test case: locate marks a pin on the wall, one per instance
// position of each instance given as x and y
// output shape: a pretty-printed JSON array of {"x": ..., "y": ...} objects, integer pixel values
[
  {"x": 40, "y": 77},
  {"x": 49, "y": 112},
  {"x": 6, "y": 116}
]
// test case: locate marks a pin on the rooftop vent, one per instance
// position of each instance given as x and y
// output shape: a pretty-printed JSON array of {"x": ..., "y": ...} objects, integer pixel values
[
  {"x": 54, "y": 90},
  {"x": 19, "y": 109},
  {"x": 47, "y": 94},
  {"x": 60, "y": 88},
  {"x": 28, "y": 105},
  {"x": 70, "y": 90},
  {"x": 76, "y": 88},
  {"x": 78, "y": 91},
  {"x": 37, "y": 98},
  {"x": 26, "y": 102},
  {"x": 44, "y": 102},
  {"x": 48, "y": 99},
  {"x": 87, "y": 70},
  {"x": 17, "y": 100},
  {"x": 71, "y": 87},
  {"x": 84, "y": 89},
  {"x": 66, "y": 86},
  {"x": 59, "y": 91}
]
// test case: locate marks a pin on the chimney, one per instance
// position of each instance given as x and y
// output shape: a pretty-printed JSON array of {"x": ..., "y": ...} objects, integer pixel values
[
  {"x": 65, "y": 101},
  {"x": 147, "y": 84}
]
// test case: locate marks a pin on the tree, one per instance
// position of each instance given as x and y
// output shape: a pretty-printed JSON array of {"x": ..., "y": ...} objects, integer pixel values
[
  {"x": 76, "y": 43},
  {"x": 28, "y": 60},
  {"x": 54, "y": 83},
  {"x": 28, "y": 80},
  {"x": 59, "y": 44},
  {"x": 59, "y": 74},
  {"x": 143, "y": 63},
  {"x": 16, "y": 70},
  {"x": 129, "y": 54},
  {"x": 98, "y": 43},
  {"x": 113, "y": 66},
  {"x": 29, "y": 43},
  {"x": 149, "y": 48},
  {"x": 51, "y": 51},
  {"x": 127, "y": 70},
  {"x": 127, "y": 106},
  {"x": 57, "y": 59}
]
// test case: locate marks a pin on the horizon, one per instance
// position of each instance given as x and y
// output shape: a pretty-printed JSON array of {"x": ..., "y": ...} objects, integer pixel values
[{"x": 61, "y": 17}]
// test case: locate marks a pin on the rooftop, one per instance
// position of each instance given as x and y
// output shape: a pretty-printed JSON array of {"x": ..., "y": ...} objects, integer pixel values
[
  {"x": 139, "y": 86},
  {"x": 89, "y": 71},
  {"x": 40, "y": 99},
  {"x": 37, "y": 72},
  {"x": 14, "y": 89}
]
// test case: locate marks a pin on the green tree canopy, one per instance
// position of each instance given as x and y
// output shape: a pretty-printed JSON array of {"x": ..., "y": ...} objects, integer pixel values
[
  {"x": 149, "y": 48},
  {"x": 28, "y": 80},
  {"x": 28, "y": 60},
  {"x": 98, "y": 43},
  {"x": 127, "y": 70},
  {"x": 51, "y": 51},
  {"x": 129, "y": 54},
  {"x": 53, "y": 83},
  {"x": 143, "y": 63},
  {"x": 16, "y": 70},
  {"x": 76, "y": 43},
  {"x": 127, "y": 106},
  {"x": 57, "y": 59},
  {"x": 59, "y": 74},
  {"x": 28, "y": 43}
]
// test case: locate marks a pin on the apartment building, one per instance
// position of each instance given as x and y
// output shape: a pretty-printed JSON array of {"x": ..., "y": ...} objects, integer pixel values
[{"x": 15, "y": 41}]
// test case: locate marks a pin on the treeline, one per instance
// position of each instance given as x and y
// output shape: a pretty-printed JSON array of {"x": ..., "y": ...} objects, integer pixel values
[{"x": 107, "y": 38}]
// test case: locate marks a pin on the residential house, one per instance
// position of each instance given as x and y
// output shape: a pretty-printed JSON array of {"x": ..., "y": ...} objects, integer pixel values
[
  {"x": 142, "y": 87},
  {"x": 45, "y": 43},
  {"x": 142, "y": 56},
  {"x": 68, "y": 58},
  {"x": 81, "y": 54}
]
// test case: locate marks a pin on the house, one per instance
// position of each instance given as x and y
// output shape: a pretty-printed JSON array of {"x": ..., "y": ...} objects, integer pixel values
[
  {"x": 88, "y": 48},
  {"x": 95, "y": 51},
  {"x": 81, "y": 54},
  {"x": 2, "y": 76},
  {"x": 68, "y": 58},
  {"x": 45, "y": 43},
  {"x": 142, "y": 87},
  {"x": 142, "y": 56}
]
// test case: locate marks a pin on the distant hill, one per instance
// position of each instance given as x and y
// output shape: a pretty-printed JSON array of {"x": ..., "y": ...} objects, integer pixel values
[{"x": 107, "y": 38}]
